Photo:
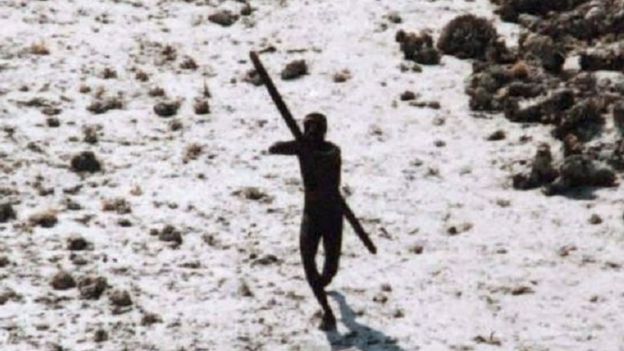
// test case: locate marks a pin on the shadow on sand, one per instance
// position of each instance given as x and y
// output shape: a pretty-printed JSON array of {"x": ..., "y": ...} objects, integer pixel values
[{"x": 360, "y": 336}]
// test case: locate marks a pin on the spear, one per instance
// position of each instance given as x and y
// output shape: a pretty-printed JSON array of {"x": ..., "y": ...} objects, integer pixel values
[{"x": 294, "y": 129}]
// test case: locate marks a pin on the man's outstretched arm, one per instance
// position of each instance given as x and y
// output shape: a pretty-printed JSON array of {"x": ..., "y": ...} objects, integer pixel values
[{"x": 285, "y": 148}]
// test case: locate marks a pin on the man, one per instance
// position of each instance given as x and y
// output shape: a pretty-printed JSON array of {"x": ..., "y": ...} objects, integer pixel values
[{"x": 320, "y": 164}]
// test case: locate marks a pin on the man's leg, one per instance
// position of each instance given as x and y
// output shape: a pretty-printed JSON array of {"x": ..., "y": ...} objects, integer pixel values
[
  {"x": 309, "y": 240},
  {"x": 332, "y": 244}
]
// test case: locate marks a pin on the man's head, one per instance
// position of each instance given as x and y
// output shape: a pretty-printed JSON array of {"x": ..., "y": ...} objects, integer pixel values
[{"x": 315, "y": 126}]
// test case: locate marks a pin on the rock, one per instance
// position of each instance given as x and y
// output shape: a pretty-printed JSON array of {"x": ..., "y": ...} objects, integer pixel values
[
  {"x": 53, "y": 122},
  {"x": 542, "y": 49},
  {"x": 603, "y": 60},
  {"x": 294, "y": 69},
  {"x": 7, "y": 213},
  {"x": 45, "y": 219},
  {"x": 166, "y": 108},
  {"x": 407, "y": 96},
  {"x": 254, "y": 194},
  {"x": 244, "y": 290},
  {"x": 547, "y": 110},
  {"x": 521, "y": 290},
  {"x": 223, "y": 18},
  {"x": 394, "y": 17},
  {"x": 484, "y": 87},
  {"x": 467, "y": 36},
  {"x": 497, "y": 135},
  {"x": 618, "y": 119},
  {"x": 572, "y": 145},
  {"x": 418, "y": 47},
  {"x": 100, "y": 335},
  {"x": 417, "y": 249},
  {"x": 342, "y": 76},
  {"x": 201, "y": 107},
  {"x": 119, "y": 205},
  {"x": 584, "y": 120},
  {"x": 580, "y": 171},
  {"x": 63, "y": 281},
  {"x": 252, "y": 77},
  {"x": 120, "y": 298},
  {"x": 92, "y": 288},
  {"x": 246, "y": 10},
  {"x": 7, "y": 295},
  {"x": 542, "y": 171},
  {"x": 85, "y": 162},
  {"x": 510, "y": 10},
  {"x": 156, "y": 92},
  {"x": 4, "y": 261},
  {"x": 595, "y": 219},
  {"x": 90, "y": 135},
  {"x": 150, "y": 318},
  {"x": 188, "y": 63},
  {"x": 170, "y": 234},
  {"x": 77, "y": 243},
  {"x": 100, "y": 106},
  {"x": 267, "y": 260},
  {"x": 458, "y": 229}
]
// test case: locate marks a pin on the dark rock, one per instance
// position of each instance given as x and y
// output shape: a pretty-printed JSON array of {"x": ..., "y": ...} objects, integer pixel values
[
  {"x": 170, "y": 234},
  {"x": 100, "y": 335},
  {"x": 418, "y": 47},
  {"x": 77, "y": 243},
  {"x": 92, "y": 288},
  {"x": 150, "y": 318},
  {"x": 548, "y": 110},
  {"x": 4, "y": 261},
  {"x": 342, "y": 76},
  {"x": 407, "y": 96},
  {"x": 595, "y": 219},
  {"x": 246, "y": 10},
  {"x": 166, "y": 108},
  {"x": 189, "y": 63},
  {"x": 583, "y": 120},
  {"x": 267, "y": 260},
  {"x": 618, "y": 118},
  {"x": 201, "y": 107},
  {"x": 100, "y": 106},
  {"x": 85, "y": 162},
  {"x": 572, "y": 145},
  {"x": 394, "y": 17},
  {"x": 254, "y": 194},
  {"x": 7, "y": 213},
  {"x": 497, "y": 136},
  {"x": 542, "y": 171},
  {"x": 252, "y": 77},
  {"x": 223, "y": 18},
  {"x": 597, "y": 60},
  {"x": 46, "y": 219},
  {"x": 120, "y": 298},
  {"x": 53, "y": 122},
  {"x": 524, "y": 90},
  {"x": 467, "y": 36},
  {"x": 580, "y": 171},
  {"x": 119, "y": 205},
  {"x": 542, "y": 49},
  {"x": 510, "y": 10},
  {"x": 63, "y": 281},
  {"x": 294, "y": 69}
]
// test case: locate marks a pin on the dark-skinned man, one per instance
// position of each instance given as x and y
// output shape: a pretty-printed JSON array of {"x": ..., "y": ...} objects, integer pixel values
[{"x": 320, "y": 165}]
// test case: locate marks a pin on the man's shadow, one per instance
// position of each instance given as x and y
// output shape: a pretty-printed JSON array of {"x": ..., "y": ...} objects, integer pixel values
[{"x": 359, "y": 336}]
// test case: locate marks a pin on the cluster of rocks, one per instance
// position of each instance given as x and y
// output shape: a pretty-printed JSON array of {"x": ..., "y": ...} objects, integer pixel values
[{"x": 533, "y": 84}]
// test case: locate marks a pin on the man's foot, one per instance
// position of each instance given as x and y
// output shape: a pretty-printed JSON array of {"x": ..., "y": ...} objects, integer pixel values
[{"x": 328, "y": 323}]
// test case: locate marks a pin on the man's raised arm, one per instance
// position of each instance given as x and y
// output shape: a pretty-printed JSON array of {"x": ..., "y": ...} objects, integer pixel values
[{"x": 285, "y": 148}]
